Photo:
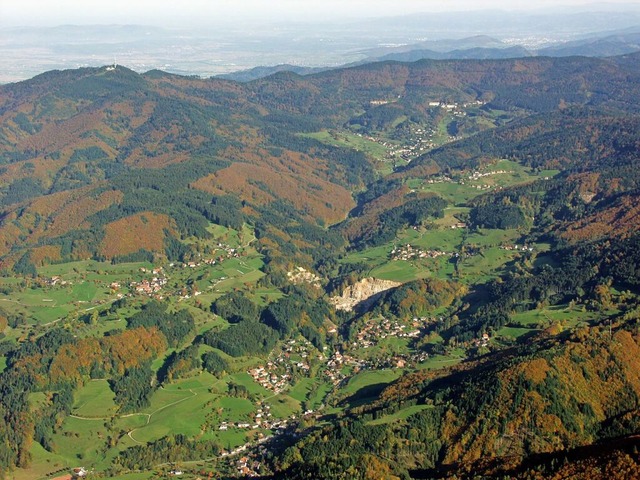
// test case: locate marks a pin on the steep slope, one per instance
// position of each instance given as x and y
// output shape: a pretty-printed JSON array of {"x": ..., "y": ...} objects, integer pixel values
[
  {"x": 75, "y": 153},
  {"x": 556, "y": 394}
]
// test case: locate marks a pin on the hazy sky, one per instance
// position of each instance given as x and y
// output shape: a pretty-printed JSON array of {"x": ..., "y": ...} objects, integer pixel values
[{"x": 38, "y": 12}]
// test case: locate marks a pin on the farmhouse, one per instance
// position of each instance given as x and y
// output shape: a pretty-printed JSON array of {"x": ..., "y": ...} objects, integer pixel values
[{"x": 79, "y": 472}]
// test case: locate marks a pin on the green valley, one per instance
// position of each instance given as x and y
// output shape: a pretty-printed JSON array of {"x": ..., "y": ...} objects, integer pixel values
[{"x": 392, "y": 270}]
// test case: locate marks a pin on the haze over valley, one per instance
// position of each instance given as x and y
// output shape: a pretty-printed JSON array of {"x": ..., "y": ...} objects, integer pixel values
[{"x": 213, "y": 45}]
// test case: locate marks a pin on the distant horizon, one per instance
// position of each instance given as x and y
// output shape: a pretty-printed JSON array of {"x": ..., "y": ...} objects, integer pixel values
[
  {"x": 232, "y": 41},
  {"x": 163, "y": 13}
]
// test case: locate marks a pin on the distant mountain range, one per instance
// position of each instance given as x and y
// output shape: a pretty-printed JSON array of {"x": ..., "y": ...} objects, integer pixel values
[
  {"x": 479, "y": 47},
  {"x": 215, "y": 46}
]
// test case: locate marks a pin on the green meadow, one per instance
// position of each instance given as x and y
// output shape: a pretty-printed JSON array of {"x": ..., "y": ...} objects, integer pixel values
[
  {"x": 350, "y": 140},
  {"x": 94, "y": 399},
  {"x": 367, "y": 379},
  {"x": 310, "y": 390},
  {"x": 400, "y": 415}
]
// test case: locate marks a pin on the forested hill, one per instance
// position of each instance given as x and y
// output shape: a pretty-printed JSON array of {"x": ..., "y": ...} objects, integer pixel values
[
  {"x": 407, "y": 268},
  {"x": 99, "y": 145},
  {"x": 550, "y": 396}
]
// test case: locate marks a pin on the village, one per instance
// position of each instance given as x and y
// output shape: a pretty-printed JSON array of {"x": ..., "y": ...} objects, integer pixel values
[
  {"x": 277, "y": 375},
  {"x": 420, "y": 142},
  {"x": 373, "y": 332},
  {"x": 409, "y": 252},
  {"x": 422, "y": 139},
  {"x": 154, "y": 286},
  {"x": 261, "y": 419},
  {"x": 285, "y": 364},
  {"x": 150, "y": 287},
  {"x": 517, "y": 248}
]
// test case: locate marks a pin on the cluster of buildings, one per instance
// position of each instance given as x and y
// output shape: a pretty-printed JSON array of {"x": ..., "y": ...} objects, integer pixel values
[
  {"x": 483, "y": 341},
  {"x": 397, "y": 361},
  {"x": 373, "y": 332},
  {"x": 339, "y": 361},
  {"x": 301, "y": 275},
  {"x": 149, "y": 287},
  {"x": 336, "y": 363},
  {"x": 262, "y": 418},
  {"x": 454, "y": 106},
  {"x": 408, "y": 252},
  {"x": 227, "y": 252},
  {"x": 248, "y": 467},
  {"x": 369, "y": 336},
  {"x": 277, "y": 374},
  {"x": 421, "y": 141},
  {"x": 249, "y": 464},
  {"x": 439, "y": 179},
  {"x": 55, "y": 280},
  {"x": 517, "y": 248},
  {"x": 478, "y": 175},
  {"x": 458, "y": 225},
  {"x": 269, "y": 378}
]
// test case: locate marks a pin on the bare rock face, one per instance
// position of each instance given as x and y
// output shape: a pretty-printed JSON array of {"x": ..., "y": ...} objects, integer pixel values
[{"x": 361, "y": 292}]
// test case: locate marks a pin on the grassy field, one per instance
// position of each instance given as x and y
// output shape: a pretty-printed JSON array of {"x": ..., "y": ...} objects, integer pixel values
[
  {"x": 310, "y": 390},
  {"x": 399, "y": 415},
  {"x": 514, "y": 332},
  {"x": 436, "y": 362},
  {"x": 283, "y": 406},
  {"x": 455, "y": 194},
  {"x": 86, "y": 288},
  {"x": 264, "y": 296},
  {"x": 350, "y": 140},
  {"x": 94, "y": 399},
  {"x": 81, "y": 438},
  {"x": 399, "y": 271},
  {"x": 184, "y": 407},
  {"x": 43, "y": 465},
  {"x": 73, "y": 270},
  {"x": 446, "y": 240},
  {"x": 563, "y": 315},
  {"x": 487, "y": 264},
  {"x": 214, "y": 281},
  {"x": 372, "y": 256},
  {"x": 364, "y": 381}
]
